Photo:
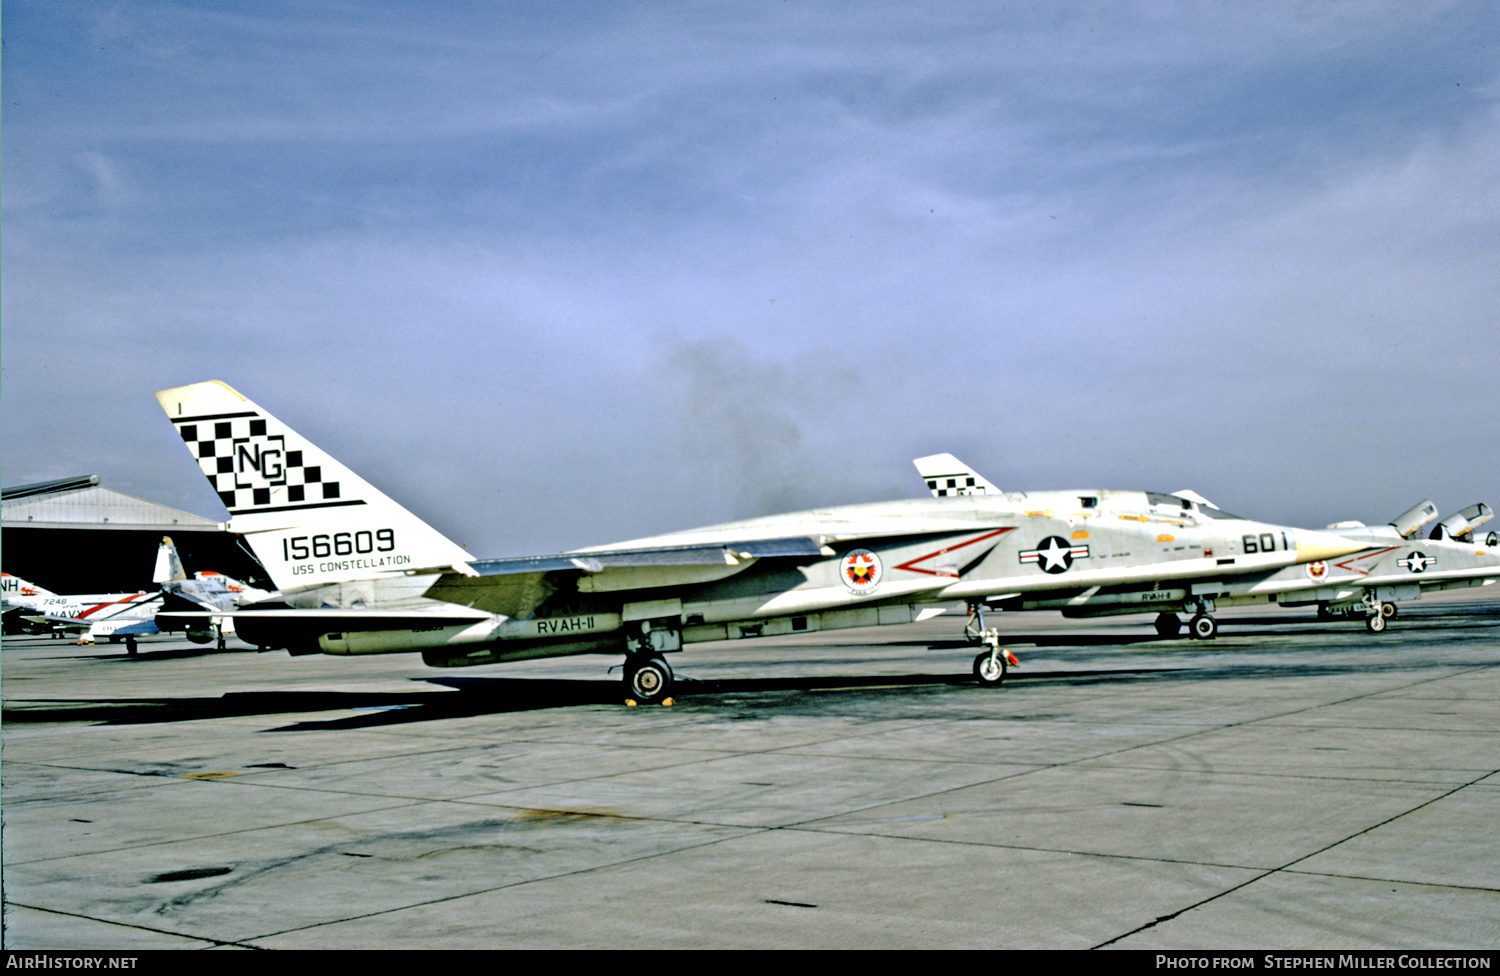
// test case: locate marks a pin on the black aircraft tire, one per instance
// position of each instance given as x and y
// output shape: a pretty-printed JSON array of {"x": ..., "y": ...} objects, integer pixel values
[
  {"x": 1375, "y": 623},
  {"x": 1204, "y": 627},
  {"x": 986, "y": 671},
  {"x": 1168, "y": 624},
  {"x": 1388, "y": 611},
  {"x": 648, "y": 681}
]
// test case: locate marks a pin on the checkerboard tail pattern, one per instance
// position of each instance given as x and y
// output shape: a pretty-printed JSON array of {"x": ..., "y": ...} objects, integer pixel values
[
  {"x": 946, "y": 476},
  {"x": 253, "y": 467},
  {"x": 956, "y": 485}
]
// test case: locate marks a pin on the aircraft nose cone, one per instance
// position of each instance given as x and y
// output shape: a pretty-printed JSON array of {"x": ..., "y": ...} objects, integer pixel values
[{"x": 1313, "y": 545}]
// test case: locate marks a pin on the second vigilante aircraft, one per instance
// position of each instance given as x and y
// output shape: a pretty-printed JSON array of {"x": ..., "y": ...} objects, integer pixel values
[
  {"x": 359, "y": 574},
  {"x": 1391, "y": 565}
]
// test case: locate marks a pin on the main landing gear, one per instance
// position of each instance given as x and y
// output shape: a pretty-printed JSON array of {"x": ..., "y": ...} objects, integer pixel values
[
  {"x": 1203, "y": 626},
  {"x": 1378, "y": 615},
  {"x": 648, "y": 677}
]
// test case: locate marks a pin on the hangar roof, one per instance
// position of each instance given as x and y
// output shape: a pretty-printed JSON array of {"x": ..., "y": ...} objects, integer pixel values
[{"x": 82, "y": 503}]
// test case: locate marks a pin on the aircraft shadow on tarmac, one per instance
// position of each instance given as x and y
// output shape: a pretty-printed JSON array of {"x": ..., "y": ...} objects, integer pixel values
[{"x": 466, "y": 696}]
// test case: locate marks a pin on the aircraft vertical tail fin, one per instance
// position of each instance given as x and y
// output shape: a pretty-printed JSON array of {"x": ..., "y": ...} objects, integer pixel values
[
  {"x": 947, "y": 475},
  {"x": 12, "y": 586},
  {"x": 310, "y": 520},
  {"x": 168, "y": 564}
]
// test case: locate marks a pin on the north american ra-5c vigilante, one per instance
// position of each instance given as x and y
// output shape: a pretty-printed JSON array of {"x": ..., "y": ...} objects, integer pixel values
[
  {"x": 1393, "y": 563},
  {"x": 359, "y": 574}
]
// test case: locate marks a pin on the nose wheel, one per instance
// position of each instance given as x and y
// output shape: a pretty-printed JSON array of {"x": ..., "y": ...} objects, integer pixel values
[
  {"x": 991, "y": 664},
  {"x": 989, "y": 669},
  {"x": 1203, "y": 627}
]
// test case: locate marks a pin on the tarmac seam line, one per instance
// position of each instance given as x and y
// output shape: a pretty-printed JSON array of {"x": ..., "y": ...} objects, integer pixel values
[{"x": 1284, "y": 867}]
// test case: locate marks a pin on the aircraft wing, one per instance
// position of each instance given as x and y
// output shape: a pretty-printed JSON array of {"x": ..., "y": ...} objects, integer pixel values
[
  {"x": 59, "y": 622},
  {"x": 600, "y": 560},
  {"x": 516, "y": 587}
]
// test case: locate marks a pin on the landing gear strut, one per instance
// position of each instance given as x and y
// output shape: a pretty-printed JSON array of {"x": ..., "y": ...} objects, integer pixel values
[
  {"x": 1375, "y": 615},
  {"x": 974, "y": 626}
]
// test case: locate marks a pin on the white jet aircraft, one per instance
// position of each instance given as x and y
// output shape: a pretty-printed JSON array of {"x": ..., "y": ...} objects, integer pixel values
[
  {"x": 205, "y": 590},
  {"x": 28, "y": 606},
  {"x": 1389, "y": 566},
  {"x": 127, "y": 616},
  {"x": 359, "y": 574}
]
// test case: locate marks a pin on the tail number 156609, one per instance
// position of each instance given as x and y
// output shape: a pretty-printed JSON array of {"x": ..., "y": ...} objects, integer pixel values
[{"x": 300, "y": 547}]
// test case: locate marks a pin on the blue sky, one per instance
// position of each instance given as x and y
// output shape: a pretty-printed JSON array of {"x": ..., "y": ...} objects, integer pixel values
[{"x": 559, "y": 274}]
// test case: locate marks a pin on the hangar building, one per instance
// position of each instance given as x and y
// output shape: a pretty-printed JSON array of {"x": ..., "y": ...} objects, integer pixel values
[{"x": 76, "y": 536}]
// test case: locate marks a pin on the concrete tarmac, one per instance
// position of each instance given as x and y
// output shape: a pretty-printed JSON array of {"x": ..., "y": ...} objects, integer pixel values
[{"x": 1293, "y": 784}]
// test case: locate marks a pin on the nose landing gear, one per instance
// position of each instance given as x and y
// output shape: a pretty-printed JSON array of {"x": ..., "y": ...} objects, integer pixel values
[{"x": 990, "y": 666}]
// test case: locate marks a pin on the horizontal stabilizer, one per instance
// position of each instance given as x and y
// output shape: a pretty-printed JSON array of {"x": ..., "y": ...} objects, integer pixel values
[
  {"x": 300, "y": 630},
  {"x": 330, "y": 618}
]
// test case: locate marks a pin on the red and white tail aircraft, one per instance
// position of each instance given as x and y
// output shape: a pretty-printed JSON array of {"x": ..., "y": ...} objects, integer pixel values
[{"x": 28, "y": 607}]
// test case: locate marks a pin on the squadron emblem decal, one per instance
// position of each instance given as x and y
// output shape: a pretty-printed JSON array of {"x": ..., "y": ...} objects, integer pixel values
[
  {"x": 860, "y": 570},
  {"x": 1417, "y": 562},
  {"x": 1318, "y": 571},
  {"x": 1055, "y": 554}
]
